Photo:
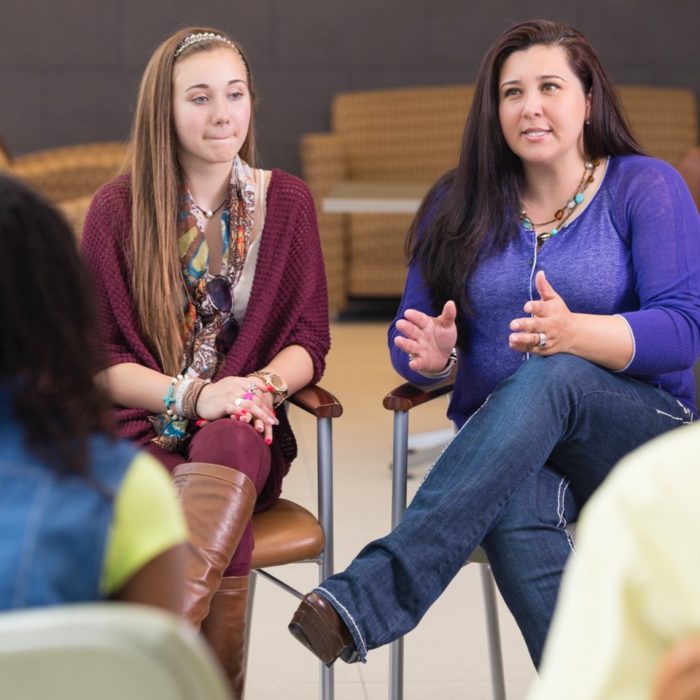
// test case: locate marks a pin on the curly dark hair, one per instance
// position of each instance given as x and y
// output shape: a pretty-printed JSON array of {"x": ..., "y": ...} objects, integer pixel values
[{"x": 49, "y": 338}]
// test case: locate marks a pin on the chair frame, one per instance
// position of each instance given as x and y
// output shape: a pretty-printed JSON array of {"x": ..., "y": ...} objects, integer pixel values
[
  {"x": 66, "y": 644},
  {"x": 401, "y": 400},
  {"x": 325, "y": 407}
]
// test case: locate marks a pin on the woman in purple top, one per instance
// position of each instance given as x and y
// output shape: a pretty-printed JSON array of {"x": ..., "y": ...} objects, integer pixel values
[{"x": 560, "y": 269}]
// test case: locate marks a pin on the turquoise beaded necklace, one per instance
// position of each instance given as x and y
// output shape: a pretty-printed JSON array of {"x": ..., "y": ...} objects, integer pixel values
[{"x": 561, "y": 216}]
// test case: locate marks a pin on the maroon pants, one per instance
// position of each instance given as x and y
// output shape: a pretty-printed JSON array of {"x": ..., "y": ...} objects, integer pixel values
[{"x": 233, "y": 444}]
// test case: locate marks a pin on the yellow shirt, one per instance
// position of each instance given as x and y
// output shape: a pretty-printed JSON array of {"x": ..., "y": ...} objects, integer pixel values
[
  {"x": 147, "y": 521},
  {"x": 632, "y": 588}
]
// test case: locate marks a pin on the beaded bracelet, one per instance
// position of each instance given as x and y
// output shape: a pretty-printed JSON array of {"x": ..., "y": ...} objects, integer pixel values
[{"x": 168, "y": 399}]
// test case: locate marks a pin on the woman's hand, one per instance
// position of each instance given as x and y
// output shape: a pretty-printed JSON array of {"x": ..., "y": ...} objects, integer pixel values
[
  {"x": 241, "y": 398},
  {"x": 428, "y": 340},
  {"x": 551, "y": 327}
]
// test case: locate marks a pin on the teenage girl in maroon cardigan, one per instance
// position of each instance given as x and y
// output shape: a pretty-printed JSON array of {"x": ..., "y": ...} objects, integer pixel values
[{"x": 213, "y": 299}]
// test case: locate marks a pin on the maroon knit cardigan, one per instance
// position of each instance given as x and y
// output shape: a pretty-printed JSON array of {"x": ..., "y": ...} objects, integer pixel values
[{"x": 288, "y": 302}]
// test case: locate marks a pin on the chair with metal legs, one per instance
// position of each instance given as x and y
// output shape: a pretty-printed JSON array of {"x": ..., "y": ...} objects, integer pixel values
[
  {"x": 288, "y": 533},
  {"x": 401, "y": 400}
]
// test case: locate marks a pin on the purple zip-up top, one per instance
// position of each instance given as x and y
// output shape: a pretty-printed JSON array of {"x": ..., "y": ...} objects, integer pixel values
[{"x": 633, "y": 251}]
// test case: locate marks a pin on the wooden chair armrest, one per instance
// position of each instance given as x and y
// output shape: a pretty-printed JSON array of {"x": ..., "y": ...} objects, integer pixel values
[
  {"x": 317, "y": 401},
  {"x": 408, "y": 396}
]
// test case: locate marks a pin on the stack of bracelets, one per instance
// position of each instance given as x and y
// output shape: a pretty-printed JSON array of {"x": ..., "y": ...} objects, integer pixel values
[{"x": 183, "y": 393}]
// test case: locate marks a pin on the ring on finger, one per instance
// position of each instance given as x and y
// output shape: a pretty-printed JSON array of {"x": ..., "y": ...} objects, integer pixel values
[
  {"x": 253, "y": 389},
  {"x": 238, "y": 401},
  {"x": 411, "y": 357},
  {"x": 542, "y": 340}
]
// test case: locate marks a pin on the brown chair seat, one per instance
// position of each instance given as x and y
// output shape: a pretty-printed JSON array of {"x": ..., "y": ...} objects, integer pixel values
[{"x": 284, "y": 534}]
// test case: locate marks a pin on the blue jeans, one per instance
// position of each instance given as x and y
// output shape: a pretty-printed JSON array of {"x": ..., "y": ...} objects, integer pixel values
[{"x": 513, "y": 475}]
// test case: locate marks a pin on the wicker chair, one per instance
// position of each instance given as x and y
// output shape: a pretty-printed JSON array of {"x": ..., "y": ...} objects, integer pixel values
[
  {"x": 69, "y": 172},
  {"x": 689, "y": 168},
  {"x": 75, "y": 211},
  {"x": 413, "y": 135},
  {"x": 5, "y": 158}
]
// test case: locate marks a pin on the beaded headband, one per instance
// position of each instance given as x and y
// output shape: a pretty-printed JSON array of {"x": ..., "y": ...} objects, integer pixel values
[{"x": 192, "y": 39}]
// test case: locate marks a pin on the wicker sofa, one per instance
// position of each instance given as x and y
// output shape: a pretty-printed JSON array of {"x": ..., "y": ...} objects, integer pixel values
[
  {"x": 413, "y": 135},
  {"x": 68, "y": 172}
]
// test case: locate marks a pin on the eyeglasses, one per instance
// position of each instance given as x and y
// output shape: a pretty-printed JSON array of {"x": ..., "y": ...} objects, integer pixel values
[{"x": 220, "y": 295}]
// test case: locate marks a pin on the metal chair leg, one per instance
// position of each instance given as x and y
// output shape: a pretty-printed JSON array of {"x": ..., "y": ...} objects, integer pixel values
[
  {"x": 498, "y": 686},
  {"x": 324, "y": 447},
  {"x": 398, "y": 506},
  {"x": 396, "y": 670}
]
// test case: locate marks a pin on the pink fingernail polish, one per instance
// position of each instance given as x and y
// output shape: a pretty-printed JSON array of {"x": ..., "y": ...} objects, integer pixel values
[{"x": 268, "y": 441}]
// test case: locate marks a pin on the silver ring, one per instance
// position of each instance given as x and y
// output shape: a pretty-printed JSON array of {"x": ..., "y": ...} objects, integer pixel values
[
  {"x": 238, "y": 401},
  {"x": 542, "y": 342},
  {"x": 253, "y": 388},
  {"x": 411, "y": 357}
]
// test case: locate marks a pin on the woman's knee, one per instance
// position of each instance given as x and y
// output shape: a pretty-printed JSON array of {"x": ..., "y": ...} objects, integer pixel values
[
  {"x": 230, "y": 443},
  {"x": 559, "y": 371}
]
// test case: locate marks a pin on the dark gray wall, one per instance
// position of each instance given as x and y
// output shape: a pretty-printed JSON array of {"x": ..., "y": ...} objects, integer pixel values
[{"x": 69, "y": 68}]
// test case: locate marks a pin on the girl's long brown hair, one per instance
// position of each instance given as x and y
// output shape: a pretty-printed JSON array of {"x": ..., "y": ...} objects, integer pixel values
[{"x": 156, "y": 279}]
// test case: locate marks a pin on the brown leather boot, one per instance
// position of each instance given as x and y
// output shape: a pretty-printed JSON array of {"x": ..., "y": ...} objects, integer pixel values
[
  {"x": 218, "y": 504},
  {"x": 224, "y": 629}
]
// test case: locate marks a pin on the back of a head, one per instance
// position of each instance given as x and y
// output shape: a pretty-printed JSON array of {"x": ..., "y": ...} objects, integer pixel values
[{"x": 48, "y": 343}]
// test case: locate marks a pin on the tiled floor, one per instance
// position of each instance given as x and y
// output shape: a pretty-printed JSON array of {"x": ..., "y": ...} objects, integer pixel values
[{"x": 446, "y": 656}]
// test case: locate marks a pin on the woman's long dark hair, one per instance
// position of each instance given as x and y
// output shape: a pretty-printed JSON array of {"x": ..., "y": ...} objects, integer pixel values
[
  {"x": 49, "y": 331},
  {"x": 478, "y": 201}
]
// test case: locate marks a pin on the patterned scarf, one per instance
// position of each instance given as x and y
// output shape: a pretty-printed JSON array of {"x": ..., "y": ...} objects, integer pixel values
[{"x": 209, "y": 325}]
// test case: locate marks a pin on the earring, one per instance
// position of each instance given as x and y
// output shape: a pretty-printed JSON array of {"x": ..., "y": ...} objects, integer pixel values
[{"x": 587, "y": 122}]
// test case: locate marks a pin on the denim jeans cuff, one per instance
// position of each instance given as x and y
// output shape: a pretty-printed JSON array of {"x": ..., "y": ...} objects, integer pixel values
[{"x": 350, "y": 623}]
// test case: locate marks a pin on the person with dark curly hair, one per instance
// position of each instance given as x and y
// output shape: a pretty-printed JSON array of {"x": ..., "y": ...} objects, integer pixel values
[{"x": 83, "y": 516}]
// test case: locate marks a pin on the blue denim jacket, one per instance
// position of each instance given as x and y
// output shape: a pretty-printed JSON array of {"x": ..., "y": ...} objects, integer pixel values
[{"x": 53, "y": 529}]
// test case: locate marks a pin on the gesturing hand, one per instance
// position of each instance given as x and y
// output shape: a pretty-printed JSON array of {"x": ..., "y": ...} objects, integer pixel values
[
  {"x": 549, "y": 329},
  {"x": 428, "y": 339}
]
